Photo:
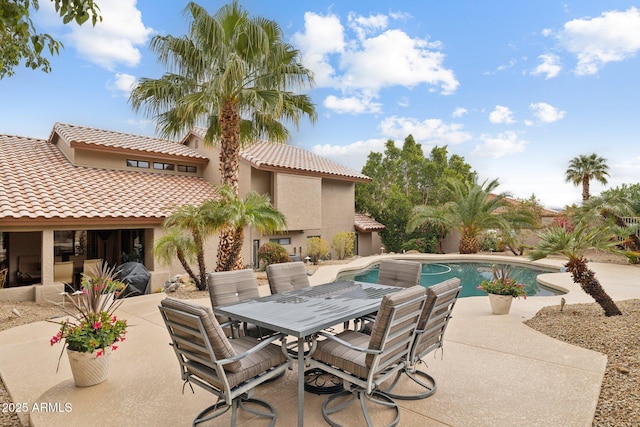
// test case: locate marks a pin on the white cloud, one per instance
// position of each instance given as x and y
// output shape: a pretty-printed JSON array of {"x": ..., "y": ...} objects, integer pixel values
[
  {"x": 613, "y": 36},
  {"x": 364, "y": 26},
  {"x": 123, "y": 84},
  {"x": 512, "y": 62},
  {"x": 546, "y": 113},
  {"x": 500, "y": 145},
  {"x": 323, "y": 36},
  {"x": 459, "y": 112},
  {"x": 353, "y": 155},
  {"x": 429, "y": 131},
  {"x": 352, "y": 104},
  {"x": 550, "y": 66},
  {"x": 115, "y": 39},
  {"x": 375, "y": 58},
  {"x": 501, "y": 115}
]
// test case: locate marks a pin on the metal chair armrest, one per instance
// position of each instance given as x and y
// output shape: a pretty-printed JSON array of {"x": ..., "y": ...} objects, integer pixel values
[
  {"x": 263, "y": 343},
  {"x": 348, "y": 344}
]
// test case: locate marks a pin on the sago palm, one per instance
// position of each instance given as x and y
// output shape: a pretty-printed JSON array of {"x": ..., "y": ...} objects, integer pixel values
[
  {"x": 471, "y": 208},
  {"x": 176, "y": 244},
  {"x": 233, "y": 75},
  {"x": 572, "y": 244},
  {"x": 255, "y": 210},
  {"x": 199, "y": 222},
  {"x": 583, "y": 169}
]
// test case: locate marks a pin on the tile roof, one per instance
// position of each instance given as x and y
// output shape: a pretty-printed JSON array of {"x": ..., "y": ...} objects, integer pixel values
[
  {"x": 288, "y": 158},
  {"x": 87, "y": 136},
  {"x": 365, "y": 223},
  {"x": 39, "y": 182}
]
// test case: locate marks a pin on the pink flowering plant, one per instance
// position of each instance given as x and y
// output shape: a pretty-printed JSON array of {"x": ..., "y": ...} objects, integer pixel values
[
  {"x": 502, "y": 284},
  {"x": 93, "y": 325}
]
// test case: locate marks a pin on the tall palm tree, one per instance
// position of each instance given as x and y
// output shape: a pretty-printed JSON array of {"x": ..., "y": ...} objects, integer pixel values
[
  {"x": 472, "y": 208},
  {"x": 232, "y": 74},
  {"x": 583, "y": 169},
  {"x": 200, "y": 222},
  {"x": 176, "y": 244},
  {"x": 573, "y": 243},
  {"x": 255, "y": 210}
]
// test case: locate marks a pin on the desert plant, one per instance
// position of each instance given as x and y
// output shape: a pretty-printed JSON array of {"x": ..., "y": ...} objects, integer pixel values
[
  {"x": 343, "y": 244},
  {"x": 317, "y": 249}
]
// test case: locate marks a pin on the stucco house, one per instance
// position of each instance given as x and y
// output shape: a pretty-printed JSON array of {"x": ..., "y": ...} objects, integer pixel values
[{"x": 87, "y": 193}]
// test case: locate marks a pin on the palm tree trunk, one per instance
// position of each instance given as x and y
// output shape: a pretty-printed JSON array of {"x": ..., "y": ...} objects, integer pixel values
[
  {"x": 585, "y": 188},
  {"x": 202, "y": 285},
  {"x": 229, "y": 170},
  {"x": 234, "y": 261},
  {"x": 469, "y": 245},
  {"x": 187, "y": 268},
  {"x": 588, "y": 282}
]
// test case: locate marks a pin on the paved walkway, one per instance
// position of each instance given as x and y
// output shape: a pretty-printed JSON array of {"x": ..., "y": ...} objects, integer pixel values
[{"x": 494, "y": 371}]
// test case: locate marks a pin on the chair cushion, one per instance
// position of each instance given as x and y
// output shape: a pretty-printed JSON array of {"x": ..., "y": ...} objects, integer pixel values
[
  {"x": 399, "y": 273},
  {"x": 332, "y": 353},
  {"x": 287, "y": 276},
  {"x": 229, "y": 287},
  {"x": 383, "y": 316},
  {"x": 219, "y": 342}
]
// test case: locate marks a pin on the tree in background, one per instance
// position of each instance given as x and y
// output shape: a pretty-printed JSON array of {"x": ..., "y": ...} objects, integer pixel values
[
  {"x": 630, "y": 193},
  {"x": 583, "y": 169},
  {"x": 233, "y": 75},
  {"x": 471, "y": 209},
  {"x": 21, "y": 40},
  {"x": 343, "y": 244},
  {"x": 402, "y": 179}
]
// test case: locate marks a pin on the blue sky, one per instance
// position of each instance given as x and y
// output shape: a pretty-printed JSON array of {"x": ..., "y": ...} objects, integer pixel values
[{"x": 517, "y": 88}]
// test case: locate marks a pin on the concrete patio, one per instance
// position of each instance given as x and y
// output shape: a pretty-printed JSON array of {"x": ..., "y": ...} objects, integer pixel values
[{"x": 494, "y": 371}]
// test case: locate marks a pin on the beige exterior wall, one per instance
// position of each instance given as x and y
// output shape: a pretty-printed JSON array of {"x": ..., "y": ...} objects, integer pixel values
[
  {"x": 299, "y": 198},
  {"x": 338, "y": 208}
]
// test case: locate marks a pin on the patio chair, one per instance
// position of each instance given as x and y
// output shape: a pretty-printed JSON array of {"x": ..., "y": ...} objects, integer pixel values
[
  {"x": 230, "y": 369},
  {"x": 229, "y": 287},
  {"x": 91, "y": 266},
  {"x": 366, "y": 361},
  {"x": 393, "y": 272},
  {"x": 433, "y": 322},
  {"x": 287, "y": 276}
]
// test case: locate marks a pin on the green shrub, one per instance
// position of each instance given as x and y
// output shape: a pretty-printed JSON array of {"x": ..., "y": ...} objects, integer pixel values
[
  {"x": 317, "y": 249},
  {"x": 343, "y": 244},
  {"x": 424, "y": 245},
  {"x": 272, "y": 253}
]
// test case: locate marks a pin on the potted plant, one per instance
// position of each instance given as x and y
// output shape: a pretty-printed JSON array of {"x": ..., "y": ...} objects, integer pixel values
[
  {"x": 502, "y": 289},
  {"x": 92, "y": 331}
]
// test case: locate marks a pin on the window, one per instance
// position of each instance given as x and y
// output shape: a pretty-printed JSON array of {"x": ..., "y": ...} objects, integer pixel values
[
  {"x": 185, "y": 168},
  {"x": 137, "y": 163},
  {"x": 281, "y": 240},
  {"x": 163, "y": 166}
]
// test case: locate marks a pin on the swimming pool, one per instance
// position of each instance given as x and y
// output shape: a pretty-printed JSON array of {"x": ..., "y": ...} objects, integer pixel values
[{"x": 470, "y": 274}]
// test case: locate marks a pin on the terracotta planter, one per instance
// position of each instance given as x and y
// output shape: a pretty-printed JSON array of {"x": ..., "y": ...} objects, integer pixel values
[
  {"x": 88, "y": 369},
  {"x": 500, "y": 304}
]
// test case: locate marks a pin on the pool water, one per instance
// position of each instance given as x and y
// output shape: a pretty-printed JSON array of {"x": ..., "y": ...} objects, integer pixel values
[{"x": 470, "y": 274}]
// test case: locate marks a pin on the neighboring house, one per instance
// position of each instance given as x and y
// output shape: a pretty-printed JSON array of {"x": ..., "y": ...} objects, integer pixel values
[{"x": 88, "y": 193}]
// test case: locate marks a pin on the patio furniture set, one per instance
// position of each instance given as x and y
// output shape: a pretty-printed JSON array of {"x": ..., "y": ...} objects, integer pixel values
[{"x": 243, "y": 341}]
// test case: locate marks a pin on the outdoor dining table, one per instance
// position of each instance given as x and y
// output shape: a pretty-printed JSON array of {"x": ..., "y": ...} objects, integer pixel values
[{"x": 304, "y": 312}]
